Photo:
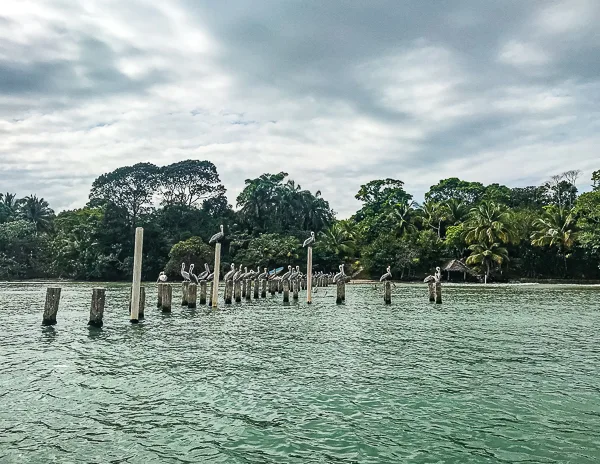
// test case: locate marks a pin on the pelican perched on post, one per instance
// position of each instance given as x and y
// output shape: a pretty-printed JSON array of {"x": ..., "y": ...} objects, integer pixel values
[
  {"x": 438, "y": 274},
  {"x": 340, "y": 275},
  {"x": 229, "y": 275},
  {"x": 309, "y": 241},
  {"x": 218, "y": 237},
  {"x": 286, "y": 276},
  {"x": 387, "y": 275},
  {"x": 264, "y": 275},
  {"x": 193, "y": 277},
  {"x": 162, "y": 277},
  {"x": 238, "y": 274},
  {"x": 202, "y": 277},
  {"x": 185, "y": 275}
]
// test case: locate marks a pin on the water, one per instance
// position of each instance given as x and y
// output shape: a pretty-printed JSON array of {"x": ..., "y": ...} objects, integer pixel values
[{"x": 496, "y": 374}]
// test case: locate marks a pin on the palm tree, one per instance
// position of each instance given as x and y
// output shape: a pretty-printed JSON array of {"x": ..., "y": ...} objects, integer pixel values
[
  {"x": 337, "y": 240},
  {"x": 490, "y": 223},
  {"x": 432, "y": 215},
  {"x": 486, "y": 255},
  {"x": 9, "y": 206},
  {"x": 556, "y": 228},
  {"x": 455, "y": 211},
  {"x": 401, "y": 215},
  {"x": 38, "y": 211}
]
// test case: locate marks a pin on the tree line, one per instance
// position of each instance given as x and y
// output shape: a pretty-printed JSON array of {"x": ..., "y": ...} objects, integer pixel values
[{"x": 544, "y": 231}]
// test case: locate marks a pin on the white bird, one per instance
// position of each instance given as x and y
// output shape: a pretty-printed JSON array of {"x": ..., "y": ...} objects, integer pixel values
[
  {"x": 309, "y": 241},
  {"x": 264, "y": 275},
  {"x": 193, "y": 277},
  {"x": 238, "y": 274},
  {"x": 438, "y": 274},
  {"x": 340, "y": 275},
  {"x": 185, "y": 275},
  {"x": 229, "y": 275},
  {"x": 287, "y": 274},
  {"x": 162, "y": 277},
  {"x": 218, "y": 237},
  {"x": 387, "y": 275},
  {"x": 202, "y": 277}
]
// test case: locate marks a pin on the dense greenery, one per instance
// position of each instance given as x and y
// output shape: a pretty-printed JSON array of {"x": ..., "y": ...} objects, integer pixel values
[{"x": 545, "y": 231}]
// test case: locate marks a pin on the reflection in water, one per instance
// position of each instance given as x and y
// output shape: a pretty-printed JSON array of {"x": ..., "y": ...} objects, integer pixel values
[{"x": 503, "y": 374}]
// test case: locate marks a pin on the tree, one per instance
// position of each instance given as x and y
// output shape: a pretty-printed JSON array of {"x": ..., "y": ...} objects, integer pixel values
[
  {"x": 38, "y": 211},
  {"x": 9, "y": 207},
  {"x": 270, "y": 250},
  {"x": 529, "y": 197},
  {"x": 337, "y": 240},
  {"x": 556, "y": 228},
  {"x": 189, "y": 182},
  {"x": 193, "y": 250},
  {"x": 23, "y": 252},
  {"x": 455, "y": 211},
  {"x": 468, "y": 192},
  {"x": 379, "y": 195},
  {"x": 485, "y": 255},
  {"x": 489, "y": 223},
  {"x": 130, "y": 188},
  {"x": 497, "y": 193},
  {"x": 596, "y": 180},
  {"x": 587, "y": 210},
  {"x": 432, "y": 215},
  {"x": 402, "y": 218}
]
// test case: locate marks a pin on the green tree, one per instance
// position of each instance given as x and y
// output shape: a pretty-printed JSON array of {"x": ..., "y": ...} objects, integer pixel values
[
  {"x": 9, "y": 207},
  {"x": 489, "y": 223},
  {"x": 270, "y": 250},
  {"x": 556, "y": 228},
  {"x": 486, "y": 255},
  {"x": 189, "y": 182},
  {"x": 193, "y": 250},
  {"x": 338, "y": 240},
  {"x": 455, "y": 211},
  {"x": 468, "y": 192},
  {"x": 38, "y": 211},
  {"x": 432, "y": 215}
]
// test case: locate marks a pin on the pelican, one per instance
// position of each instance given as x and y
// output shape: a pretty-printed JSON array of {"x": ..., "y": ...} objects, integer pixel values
[
  {"x": 229, "y": 275},
  {"x": 387, "y": 275},
  {"x": 264, "y": 275},
  {"x": 309, "y": 241},
  {"x": 193, "y": 276},
  {"x": 339, "y": 275},
  {"x": 162, "y": 277},
  {"x": 218, "y": 237},
  {"x": 185, "y": 275},
  {"x": 238, "y": 274},
  {"x": 438, "y": 274},
  {"x": 286, "y": 276},
  {"x": 202, "y": 277}
]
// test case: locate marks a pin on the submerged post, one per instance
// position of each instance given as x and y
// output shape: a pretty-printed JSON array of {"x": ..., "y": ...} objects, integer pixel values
[
  {"x": 166, "y": 298},
  {"x": 228, "y": 291},
  {"x": 438, "y": 292},
  {"x": 341, "y": 291},
  {"x": 51, "y": 306},
  {"x": 215, "y": 287},
  {"x": 137, "y": 275},
  {"x": 286, "y": 291},
  {"x": 203, "y": 292},
  {"x": 309, "y": 276},
  {"x": 387, "y": 292},
  {"x": 431, "y": 287},
  {"x": 184, "y": 293},
  {"x": 159, "y": 290},
  {"x": 97, "y": 309},
  {"x": 192, "y": 295}
]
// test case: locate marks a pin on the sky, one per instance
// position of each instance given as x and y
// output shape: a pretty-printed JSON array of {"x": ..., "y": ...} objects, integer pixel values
[{"x": 334, "y": 93}]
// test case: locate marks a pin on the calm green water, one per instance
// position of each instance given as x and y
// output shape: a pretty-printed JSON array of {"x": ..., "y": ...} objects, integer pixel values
[{"x": 496, "y": 374}]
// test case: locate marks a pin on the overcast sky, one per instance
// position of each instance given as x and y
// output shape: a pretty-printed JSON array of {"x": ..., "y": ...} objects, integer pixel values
[{"x": 335, "y": 93}]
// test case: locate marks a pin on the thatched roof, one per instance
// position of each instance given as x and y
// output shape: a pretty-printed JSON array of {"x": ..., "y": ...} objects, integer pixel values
[{"x": 456, "y": 265}]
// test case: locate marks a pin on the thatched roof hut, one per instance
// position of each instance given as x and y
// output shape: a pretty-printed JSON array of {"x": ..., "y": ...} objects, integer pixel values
[{"x": 456, "y": 265}]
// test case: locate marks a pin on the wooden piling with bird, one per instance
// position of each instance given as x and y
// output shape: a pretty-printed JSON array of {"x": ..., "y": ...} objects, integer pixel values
[
  {"x": 215, "y": 287},
  {"x": 51, "y": 305},
  {"x": 159, "y": 288},
  {"x": 263, "y": 290},
  {"x": 295, "y": 285},
  {"x": 167, "y": 298},
  {"x": 309, "y": 275},
  {"x": 387, "y": 292},
  {"x": 237, "y": 291},
  {"x": 286, "y": 291},
  {"x": 192, "y": 295},
  {"x": 248, "y": 289},
  {"x": 228, "y": 291},
  {"x": 431, "y": 287},
  {"x": 184, "y": 293},
  {"x": 97, "y": 307},
  {"x": 255, "y": 289},
  {"x": 341, "y": 291}
]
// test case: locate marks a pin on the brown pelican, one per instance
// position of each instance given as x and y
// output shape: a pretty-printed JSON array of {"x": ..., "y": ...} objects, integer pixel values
[
  {"x": 193, "y": 277},
  {"x": 286, "y": 276},
  {"x": 185, "y": 275},
  {"x": 162, "y": 277},
  {"x": 238, "y": 274},
  {"x": 218, "y": 237},
  {"x": 309, "y": 241},
  {"x": 264, "y": 275},
  {"x": 387, "y": 275},
  {"x": 202, "y": 277},
  {"x": 340, "y": 275},
  {"x": 229, "y": 275}
]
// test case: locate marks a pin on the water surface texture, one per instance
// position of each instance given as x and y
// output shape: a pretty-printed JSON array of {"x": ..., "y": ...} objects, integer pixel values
[{"x": 495, "y": 374}]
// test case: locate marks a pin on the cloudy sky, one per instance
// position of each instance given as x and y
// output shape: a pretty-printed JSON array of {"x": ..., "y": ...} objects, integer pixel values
[{"x": 334, "y": 93}]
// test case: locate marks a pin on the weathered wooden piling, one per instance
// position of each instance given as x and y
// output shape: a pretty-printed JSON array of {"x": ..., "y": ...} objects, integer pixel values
[
  {"x": 203, "y": 292},
  {"x": 272, "y": 284},
  {"x": 438, "y": 292},
  {"x": 142, "y": 302},
  {"x": 228, "y": 291},
  {"x": 159, "y": 288},
  {"x": 210, "y": 297},
  {"x": 215, "y": 287},
  {"x": 286, "y": 291},
  {"x": 309, "y": 275},
  {"x": 295, "y": 285},
  {"x": 237, "y": 291},
  {"x": 256, "y": 289},
  {"x": 192, "y": 295},
  {"x": 431, "y": 287},
  {"x": 137, "y": 275},
  {"x": 167, "y": 297},
  {"x": 387, "y": 292},
  {"x": 184, "y": 293},
  {"x": 51, "y": 306},
  {"x": 263, "y": 290},
  {"x": 97, "y": 308},
  {"x": 244, "y": 288},
  {"x": 248, "y": 289},
  {"x": 280, "y": 286},
  {"x": 341, "y": 291}
]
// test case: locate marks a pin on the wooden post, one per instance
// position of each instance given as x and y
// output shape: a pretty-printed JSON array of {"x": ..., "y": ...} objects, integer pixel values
[
  {"x": 438, "y": 293},
  {"x": 309, "y": 276},
  {"x": 228, "y": 291},
  {"x": 244, "y": 285},
  {"x": 97, "y": 309},
  {"x": 137, "y": 275},
  {"x": 159, "y": 288},
  {"x": 272, "y": 287},
  {"x": 184, "y": 292},
  {"x": 295, "y": 285},
  {"x": 387, "y": 293},
  {"x": 248, "y": 289},
  {"x": 263, "y": 291},
  {"x": 142, "y": 302},
  {"x": 256, "y": 289},
  {"x": 286, "y": 291},
  {"x": 280, "y": 286},
  {"x": 431, "y": 286},
  {"x": 203, "y": 292},
  {"x": 210, "y": 298},
  {"x": 341, "y": 291},
  {"x": 167, "y": 298},
  {"x": 237, "y": 291},
  {"x": 192, "y": 295},
  {"x": 51, "y": 306},
  {"x": 215, "y": 288}
]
